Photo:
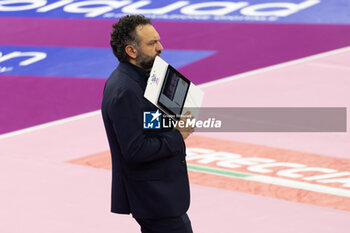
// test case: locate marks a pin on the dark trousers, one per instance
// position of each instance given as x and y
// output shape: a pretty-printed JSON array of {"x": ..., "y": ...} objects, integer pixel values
[{"x": 181, "y": 224}]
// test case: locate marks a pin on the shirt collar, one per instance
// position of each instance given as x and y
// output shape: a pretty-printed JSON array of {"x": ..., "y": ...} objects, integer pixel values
[{"x": 136, "y": 73}]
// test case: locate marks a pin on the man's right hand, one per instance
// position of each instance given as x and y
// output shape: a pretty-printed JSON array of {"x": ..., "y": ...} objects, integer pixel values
[{"x": 185, "y": 131}]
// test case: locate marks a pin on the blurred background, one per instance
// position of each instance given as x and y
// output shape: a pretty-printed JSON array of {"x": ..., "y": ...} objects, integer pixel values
[{"x": 54, "y": 161}]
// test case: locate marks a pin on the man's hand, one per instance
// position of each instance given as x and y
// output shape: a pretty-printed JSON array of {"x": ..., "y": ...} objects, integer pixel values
[{"x": 185, "y": 131}]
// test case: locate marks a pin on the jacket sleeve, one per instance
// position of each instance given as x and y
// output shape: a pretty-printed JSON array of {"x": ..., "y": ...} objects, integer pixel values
[{"x": 136, "y": 146}]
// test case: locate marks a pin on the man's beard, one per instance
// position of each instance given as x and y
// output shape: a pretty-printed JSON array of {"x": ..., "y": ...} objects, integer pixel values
[{"x": 145, "y": 61}]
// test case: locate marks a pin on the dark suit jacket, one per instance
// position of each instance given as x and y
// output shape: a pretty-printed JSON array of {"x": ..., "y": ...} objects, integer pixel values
[{"x": 149, "y": 173}]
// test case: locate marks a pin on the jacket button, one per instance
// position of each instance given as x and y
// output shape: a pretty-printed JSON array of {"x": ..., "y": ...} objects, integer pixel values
[{"x": 183, "y": 161}]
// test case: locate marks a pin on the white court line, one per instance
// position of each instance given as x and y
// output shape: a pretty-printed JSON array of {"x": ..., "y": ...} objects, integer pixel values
[
  {"x": 274, "y": 67},
  {"x": 270, "y": 180},
  {"x": 204, "y": 85}
]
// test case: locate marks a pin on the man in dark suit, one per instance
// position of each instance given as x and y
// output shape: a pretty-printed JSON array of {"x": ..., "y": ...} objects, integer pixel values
[{"x": 149, "y": 172}]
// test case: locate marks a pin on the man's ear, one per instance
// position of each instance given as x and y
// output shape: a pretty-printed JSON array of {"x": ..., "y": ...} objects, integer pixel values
[{"x": 131, "y": 51}]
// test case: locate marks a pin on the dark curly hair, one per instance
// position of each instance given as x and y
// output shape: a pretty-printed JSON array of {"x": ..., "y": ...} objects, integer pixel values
[{"x": 124, "y": 33}]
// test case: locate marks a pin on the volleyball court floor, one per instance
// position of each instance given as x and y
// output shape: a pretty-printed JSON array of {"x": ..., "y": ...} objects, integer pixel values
[
  {"x": 55, "y": 166},
  {"x": 58, "y": 179}
]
